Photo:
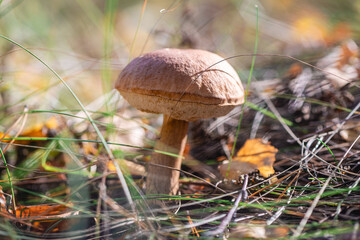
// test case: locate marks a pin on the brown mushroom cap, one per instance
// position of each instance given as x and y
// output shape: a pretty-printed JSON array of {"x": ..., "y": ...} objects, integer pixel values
[{"x": 184, "y": 84}]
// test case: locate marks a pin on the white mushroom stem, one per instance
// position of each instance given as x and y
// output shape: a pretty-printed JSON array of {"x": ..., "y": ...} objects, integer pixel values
[{"x": 163, "y": 179}]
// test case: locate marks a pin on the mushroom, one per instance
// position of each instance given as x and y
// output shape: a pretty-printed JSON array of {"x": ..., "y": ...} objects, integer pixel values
[{"x": 184, "y": 85}]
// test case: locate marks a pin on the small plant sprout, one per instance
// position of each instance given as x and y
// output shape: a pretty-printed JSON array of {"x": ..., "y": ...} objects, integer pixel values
[{"x": 184, "y": 85}]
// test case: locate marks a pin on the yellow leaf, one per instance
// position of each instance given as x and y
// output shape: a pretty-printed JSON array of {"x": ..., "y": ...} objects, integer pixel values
[
  {"x": 2, "y": 136},
  {"x": 41, "y": 129},
  {"x": 253, "y": 155}
]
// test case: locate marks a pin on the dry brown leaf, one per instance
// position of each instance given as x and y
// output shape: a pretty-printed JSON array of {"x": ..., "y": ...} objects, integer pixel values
[
  {"x": 236, "y": 169},
  {"x": 294, "y": 70},
  {"x": 341, "y": 66},
  {"x": 350, "y": 130},
  {"x": 41, "y": 217},
  {"x": 253, "y": 155},
  {"x": 44, "y": 216},
  {"x": 41, "y": 211},
  {"x": 348, "y": 54}
]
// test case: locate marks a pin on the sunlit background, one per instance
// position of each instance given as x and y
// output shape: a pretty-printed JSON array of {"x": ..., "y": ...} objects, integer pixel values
[{"x": 89, "y": 42}]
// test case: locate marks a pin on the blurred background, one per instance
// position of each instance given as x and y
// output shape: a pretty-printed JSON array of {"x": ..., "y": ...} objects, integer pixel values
[{"x": 89, "y": 42}]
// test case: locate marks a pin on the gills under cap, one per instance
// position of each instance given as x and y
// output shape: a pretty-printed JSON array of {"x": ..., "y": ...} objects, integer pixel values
[{"x": 186, "y": 84}]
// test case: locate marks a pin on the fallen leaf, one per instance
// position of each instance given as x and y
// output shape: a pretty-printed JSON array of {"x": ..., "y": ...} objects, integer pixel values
[
  {"x": 41, "y": 129},
  {"x": 2, "y": 136},
  {"x": 46, "y": 215},
  {"x": 350, "y": 130},
  {"x": 235, "y": 169},
  {"x": 341, "y": 66},
  {"x": 255, "y": 154},
  {"x": 43, "y": 217},
  {"x": 89, "y": 149},
  {"x": 294, "y": 70},
  {"x": 349, "y": 53}
]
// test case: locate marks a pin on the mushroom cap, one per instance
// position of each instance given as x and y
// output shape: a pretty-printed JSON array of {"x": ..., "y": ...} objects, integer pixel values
[{"x": 186, "y": 84}]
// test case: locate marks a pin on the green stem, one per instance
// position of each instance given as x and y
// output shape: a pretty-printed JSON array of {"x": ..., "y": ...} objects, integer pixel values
[
  {"x": 327, "y": 149},
  {"x": 101, "y": 137},
  {"x": 10, "y": 182},
  {"x": 247, "y": 88}
]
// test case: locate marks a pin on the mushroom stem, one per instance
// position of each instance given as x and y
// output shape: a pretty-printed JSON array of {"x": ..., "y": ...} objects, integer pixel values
[{"x": 165, "y": 180}]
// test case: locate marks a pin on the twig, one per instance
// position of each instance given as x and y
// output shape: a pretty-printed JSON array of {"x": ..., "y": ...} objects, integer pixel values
[
  {"x": 242, "y": 195},
  {"x": 193, "y": 229},
  {"x": 23, "y": 119},
  {"x": 316, "y": 200},
  {"x": 277, "y": 181}
]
